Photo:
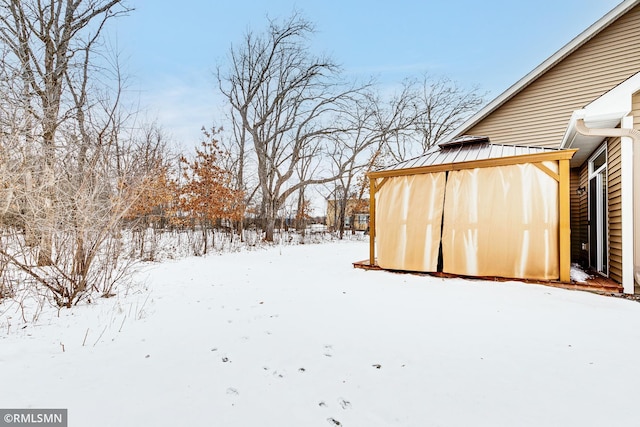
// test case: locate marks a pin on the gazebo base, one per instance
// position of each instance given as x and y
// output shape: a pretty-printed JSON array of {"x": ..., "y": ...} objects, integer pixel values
[{"x": 596, "y": 283}]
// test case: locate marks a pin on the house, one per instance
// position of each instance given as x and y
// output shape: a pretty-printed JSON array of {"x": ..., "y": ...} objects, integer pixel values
[
  {"x": 356, "y": 214},
  {"x": 546, "y": 174}
]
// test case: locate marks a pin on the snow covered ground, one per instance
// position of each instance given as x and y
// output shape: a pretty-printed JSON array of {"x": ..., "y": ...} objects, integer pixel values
[{"x": 295, "y": 336}]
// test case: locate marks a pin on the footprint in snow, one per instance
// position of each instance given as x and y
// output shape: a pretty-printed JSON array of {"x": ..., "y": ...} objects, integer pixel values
[
  {"x": 334, "y": 421},
  {"x": 232, "y": 391},
  {"x": 328, "y": 347},
  {"x": 344, "y": 403}
]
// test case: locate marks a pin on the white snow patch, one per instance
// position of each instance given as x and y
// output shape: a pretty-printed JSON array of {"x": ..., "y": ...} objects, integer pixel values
[
  {"x": 295, "y": 336},
  {"x": 578, "y": 274}
]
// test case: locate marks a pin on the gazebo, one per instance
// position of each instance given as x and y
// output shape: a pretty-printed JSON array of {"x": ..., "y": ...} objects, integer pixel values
[{"x": 472, "y": 208}]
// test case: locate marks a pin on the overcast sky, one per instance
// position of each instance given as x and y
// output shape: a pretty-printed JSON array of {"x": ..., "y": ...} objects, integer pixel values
[{"x": 171, "y": 47}]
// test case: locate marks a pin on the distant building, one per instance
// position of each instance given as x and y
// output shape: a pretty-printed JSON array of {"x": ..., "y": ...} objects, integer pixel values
[{"x": 356, "y": 214}]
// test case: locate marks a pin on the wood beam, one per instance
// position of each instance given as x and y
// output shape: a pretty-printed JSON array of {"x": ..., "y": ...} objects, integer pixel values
[
  {"x": 372, "y": 221},
  {"x": 485, "y": 163},
  {"x": 382, "y": 182},
  {"x": 548, "y": 171}
]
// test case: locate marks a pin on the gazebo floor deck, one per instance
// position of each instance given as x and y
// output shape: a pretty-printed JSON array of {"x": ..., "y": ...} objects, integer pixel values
[{"x": 596, "y": 283}]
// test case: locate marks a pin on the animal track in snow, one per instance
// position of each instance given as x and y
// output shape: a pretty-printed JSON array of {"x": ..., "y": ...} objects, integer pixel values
[
  {"x": 344, "y": 403},
  {"x": 328, "y": 348}
]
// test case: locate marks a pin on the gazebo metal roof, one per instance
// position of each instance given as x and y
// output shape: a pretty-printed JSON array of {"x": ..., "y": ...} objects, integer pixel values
[{"x": 466, "y": 149}]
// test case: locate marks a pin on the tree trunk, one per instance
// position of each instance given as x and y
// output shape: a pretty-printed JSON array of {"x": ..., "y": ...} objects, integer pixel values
[
  {"x": 46, "y": 227},
  {"x": 341, "y": 217},
  {"x": 269, "y": 227},
  {"x": 300, "y": 215},
  {"x": 204, "y": 237}
]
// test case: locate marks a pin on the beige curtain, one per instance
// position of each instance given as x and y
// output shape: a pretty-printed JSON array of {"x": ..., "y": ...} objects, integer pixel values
[
  {"x": 408, "y": 222},
  {"x": 502, "y": 221}
]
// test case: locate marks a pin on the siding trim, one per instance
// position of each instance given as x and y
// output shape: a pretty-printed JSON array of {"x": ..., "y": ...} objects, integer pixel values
[{"x": 627, "y": 209}]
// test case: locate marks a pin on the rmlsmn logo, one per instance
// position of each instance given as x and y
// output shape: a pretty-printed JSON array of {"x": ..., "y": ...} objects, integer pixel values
[
  {"x": 36, "y": 418},
  {"x": 33, "y": 417}
]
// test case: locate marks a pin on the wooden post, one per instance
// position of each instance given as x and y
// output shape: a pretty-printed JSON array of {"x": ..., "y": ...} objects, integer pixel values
[
  {"x": 372, "y": 221},
  {"x": 565, "y": 221}
]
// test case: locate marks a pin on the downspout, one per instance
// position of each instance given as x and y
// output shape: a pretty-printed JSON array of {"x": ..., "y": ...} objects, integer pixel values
[
  {"x": 630, "y": 253},
  {"x": 607, "y": 132}
]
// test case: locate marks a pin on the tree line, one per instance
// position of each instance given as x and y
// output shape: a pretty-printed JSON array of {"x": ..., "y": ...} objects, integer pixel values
[
  {"x": 298, "y": 122},
  {"x": 78, "y": 167}
]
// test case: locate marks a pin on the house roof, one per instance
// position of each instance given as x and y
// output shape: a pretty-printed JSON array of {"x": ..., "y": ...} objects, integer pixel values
[
  {"x": 469, "y": 152},
  {"x": 606, "y": 111},
  {"x": 554, "y": 59}
]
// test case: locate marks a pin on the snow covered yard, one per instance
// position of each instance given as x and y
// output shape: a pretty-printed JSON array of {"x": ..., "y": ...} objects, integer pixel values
[{"x": 295, "y": 336}]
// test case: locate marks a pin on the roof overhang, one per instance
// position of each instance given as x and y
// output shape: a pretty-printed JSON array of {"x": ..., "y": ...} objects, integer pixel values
[
  {"x": 606, "y": 111},
  {"x": 484, "y": 163},
  {"x": 554, "y": 59}
]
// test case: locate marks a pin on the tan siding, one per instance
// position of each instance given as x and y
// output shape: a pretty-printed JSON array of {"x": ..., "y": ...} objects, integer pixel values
[
  {"x": 538, "y": 115},
  {"x": 615, "y": 208},
  {"x": 635, "y": 105},
  {"x": 579, "y": 216},
  {"x": 576, "y": 243},
  {"x": 584, "y": 210}
]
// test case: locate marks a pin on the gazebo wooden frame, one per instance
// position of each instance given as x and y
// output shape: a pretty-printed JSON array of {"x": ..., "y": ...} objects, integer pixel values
[{"x": 563, "y": 157}]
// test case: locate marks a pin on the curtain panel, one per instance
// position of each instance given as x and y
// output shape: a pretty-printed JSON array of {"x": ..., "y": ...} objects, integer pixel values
[
  {"x": 409, "y": 221},
  {"x": 502, "y": 221}
]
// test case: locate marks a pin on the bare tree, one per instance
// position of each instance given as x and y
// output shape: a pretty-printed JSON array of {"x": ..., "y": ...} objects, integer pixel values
[
  {"x": 287, "y": 100},
  {"x": 439, "y": 105},
  {"x": 46, "y": 44},
  {"x": 91, "y": 196},
  {"x": 374, "y": 124},
  {"x": 445, "y": 106},
  {"x": 238, "y": 156},
  {"x": 71, "y": 193},
  {"x": 154, "y": 208}
]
